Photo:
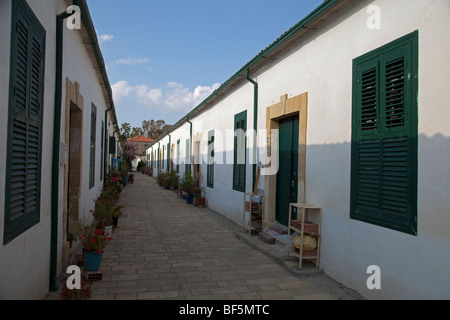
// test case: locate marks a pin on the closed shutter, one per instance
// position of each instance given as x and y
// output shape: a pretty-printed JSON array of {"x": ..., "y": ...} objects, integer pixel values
[
  {"x": 169, "y": 169},
  {"x": 384, "y": 154},
  {"x": 23, "y": 170},
  {"x": 210, "y": 165},
  {"x": 112, "y": 145},
  {"x": 240, "y": 148},
  {"x": 92, "y": 146}
]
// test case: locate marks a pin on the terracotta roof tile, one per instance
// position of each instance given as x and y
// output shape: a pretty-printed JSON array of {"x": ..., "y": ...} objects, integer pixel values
[{"x": 140, "y": 139}]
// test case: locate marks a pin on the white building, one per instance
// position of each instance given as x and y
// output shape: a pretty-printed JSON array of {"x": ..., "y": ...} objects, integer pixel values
[
  {"x": 60, "y": 133},
  {"x": 363, "y": 134}
]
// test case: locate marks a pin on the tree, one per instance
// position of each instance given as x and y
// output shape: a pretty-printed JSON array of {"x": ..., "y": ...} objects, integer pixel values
[
  {"x": 125, "y": 132},
  {"x": 153, "y": 129}
]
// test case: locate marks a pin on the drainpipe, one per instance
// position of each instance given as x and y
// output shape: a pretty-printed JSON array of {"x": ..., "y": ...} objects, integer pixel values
[
  {"x": 255, "y": 124},
  {"x": 159, "y": 156},
  {"x": 117, "y": 147},
  {"x": 56, "y": 147},
  {"x": 105, "y": 151},
  {"x": 169, "y": 168},
  {"x": 190, "y": 143}
]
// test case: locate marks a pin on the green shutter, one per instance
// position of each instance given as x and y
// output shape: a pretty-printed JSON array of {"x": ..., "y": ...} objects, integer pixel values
[
  {"x": 240, "y": 150},
  {"x": 92, "y": 146},
  {"x": 168, "y": 158},
  {"x": 210, "y": 164},
  {"x": 112, "y": 145},
  {"x": 23, "y": 168},
  {"x": 384, "y": 138}
]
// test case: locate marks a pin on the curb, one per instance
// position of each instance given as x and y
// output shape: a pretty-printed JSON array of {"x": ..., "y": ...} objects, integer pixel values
[{"x": 278, "y": 255}]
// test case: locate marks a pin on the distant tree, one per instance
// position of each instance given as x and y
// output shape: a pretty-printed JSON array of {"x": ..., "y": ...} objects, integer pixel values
[
  {"x": 125, "y": 132},
  {"x": 150, "y": 128},
  {"x": 136, "y": 131},
  {"x": 153, "y": 129}
]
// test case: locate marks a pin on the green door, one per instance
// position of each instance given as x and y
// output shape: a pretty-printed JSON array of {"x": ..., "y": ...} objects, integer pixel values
[{"x": 287, "y": 177}]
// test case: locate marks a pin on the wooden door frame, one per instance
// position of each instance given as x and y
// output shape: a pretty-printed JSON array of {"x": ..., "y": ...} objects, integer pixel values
[{"x": 297, "y": 105}]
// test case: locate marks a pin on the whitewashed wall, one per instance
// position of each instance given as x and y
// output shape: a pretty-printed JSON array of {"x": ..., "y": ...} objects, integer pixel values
[
  {"x": 411, "y": 266},
  {"x": 25, "y": 262}
]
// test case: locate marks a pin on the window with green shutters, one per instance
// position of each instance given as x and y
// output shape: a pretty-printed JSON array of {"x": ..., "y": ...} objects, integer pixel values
[
  {"x": 92, "y": 146},
  {"x": 210, "y": 164},
  {"x": 24, "y": 141},
  {"x": 384, "y": 136},
  {"x": 240, "y": 148}
]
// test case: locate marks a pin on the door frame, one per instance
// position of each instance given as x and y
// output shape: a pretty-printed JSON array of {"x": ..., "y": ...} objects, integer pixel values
[
  {"x": 74, "y": 101},
  {"x": 287, "y": 107}
]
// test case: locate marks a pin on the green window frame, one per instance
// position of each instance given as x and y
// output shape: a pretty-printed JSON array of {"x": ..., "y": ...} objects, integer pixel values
[
  {"x": 384, "y": 136},
  {"x": 210, "y": 159},
  {"x": 93, "y": 141},
  {"x": 240, "y": 151},
  {"x": 25, "y": 121}
]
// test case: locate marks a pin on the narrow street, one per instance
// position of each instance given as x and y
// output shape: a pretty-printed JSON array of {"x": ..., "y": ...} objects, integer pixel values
[{"x": 164, "y": 249}]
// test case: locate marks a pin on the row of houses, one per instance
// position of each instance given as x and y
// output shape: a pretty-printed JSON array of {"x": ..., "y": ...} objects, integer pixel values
[
  {"x": 60, "y": 133},
  {"x": 347, "y": 111}
]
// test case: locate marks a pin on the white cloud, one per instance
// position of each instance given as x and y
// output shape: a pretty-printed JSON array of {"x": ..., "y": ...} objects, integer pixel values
[
  {"x": 178, "y": 97},
  {"x": 173, "y": 96},
  {"x": 122, "y": 89},
  {"x": 131, "y": 61},
  {"x": 105, "y": 38}
]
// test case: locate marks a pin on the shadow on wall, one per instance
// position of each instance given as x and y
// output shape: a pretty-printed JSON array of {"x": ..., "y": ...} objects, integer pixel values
[{"x": 328, "y": 175}]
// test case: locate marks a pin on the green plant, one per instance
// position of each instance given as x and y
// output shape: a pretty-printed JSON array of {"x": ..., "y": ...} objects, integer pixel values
[
  {"x": 161, "y": 179},
  {"x": 70, "y": 237},
  {"x": 174, "y": 180},
  {"x": 94, "y": 240},
  {"x": 84, "y": 293},
  {"x": 104, "y": 211},
  {"x": 186, "y": 183},
  {"x": 197, "y": 192}
]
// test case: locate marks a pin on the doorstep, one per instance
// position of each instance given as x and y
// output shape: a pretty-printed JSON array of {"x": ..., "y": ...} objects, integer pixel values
[{"x": 278, "y": 254}]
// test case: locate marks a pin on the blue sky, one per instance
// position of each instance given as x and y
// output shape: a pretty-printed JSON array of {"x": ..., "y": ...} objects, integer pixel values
[{"x": 165, "y": 57}]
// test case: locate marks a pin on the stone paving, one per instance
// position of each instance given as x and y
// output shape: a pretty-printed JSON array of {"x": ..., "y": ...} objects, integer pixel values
[{"x": 167, "y": 249}]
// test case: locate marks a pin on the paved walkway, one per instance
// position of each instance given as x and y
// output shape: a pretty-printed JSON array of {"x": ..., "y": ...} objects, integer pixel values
[{"x": 167, "y": 249}]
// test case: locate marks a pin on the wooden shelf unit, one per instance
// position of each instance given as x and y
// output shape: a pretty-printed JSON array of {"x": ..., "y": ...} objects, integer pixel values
[
  {"x": 254, "y": 211},
  {"x": 303, "y": 226}
]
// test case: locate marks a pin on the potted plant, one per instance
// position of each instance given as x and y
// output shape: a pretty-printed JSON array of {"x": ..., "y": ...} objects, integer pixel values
[
  {"x": 186, "y": 186},
  {"x": 94, "y": 243},
  {"x": 173, "y": 180},
  {"x": 199, "y": 200},
  {"x": 104, "y": 214},
  {"x": 115, "y": 218},
  {"x": 70, "y": 237},
  {"x": 84, "y": 293}
]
